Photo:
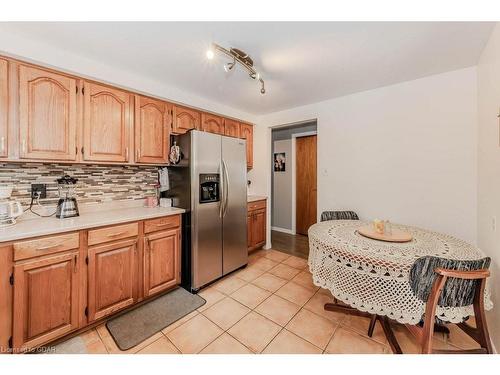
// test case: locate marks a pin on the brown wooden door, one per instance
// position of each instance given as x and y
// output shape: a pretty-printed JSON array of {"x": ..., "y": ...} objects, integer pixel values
[
  {"x": 259, "y": 228},
  {"x": 161, "y": 261},
  {"x": 106, "y": 124},
  {"x": 185, "y": 119},
  {"x": 45, "y": 299},
  {"x": 111, "y": 278},
  {"x": 246, "y": 132},
  {"x": 152, "y": 123},
  {"x": 47, "y": 115},
  {"x": 4, "y": 106},
  {"x": 212, "y": 124},
  {"x": 231, "y": 128},
  {"x": 306, "y": 179}
]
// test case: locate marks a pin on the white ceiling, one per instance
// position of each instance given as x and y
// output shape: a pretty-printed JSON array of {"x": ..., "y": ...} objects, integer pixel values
[{"x": 301, "y": 62}]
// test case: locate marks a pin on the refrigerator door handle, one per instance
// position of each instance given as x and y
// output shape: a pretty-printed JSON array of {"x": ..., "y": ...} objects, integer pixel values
[
  {"x": 226, "y": 187},
  {"x": 222, "y": 190}
]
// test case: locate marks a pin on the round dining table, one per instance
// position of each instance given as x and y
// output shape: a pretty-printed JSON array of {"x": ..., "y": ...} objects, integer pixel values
[{"x": 372, "y": 276}]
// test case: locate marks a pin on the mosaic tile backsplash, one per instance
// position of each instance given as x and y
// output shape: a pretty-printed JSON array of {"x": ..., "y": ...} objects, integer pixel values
[{"x": 96, "y": 183}]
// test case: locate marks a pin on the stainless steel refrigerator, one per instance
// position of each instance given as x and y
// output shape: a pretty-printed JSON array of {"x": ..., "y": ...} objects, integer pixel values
[{"x": 210, "y": 183}]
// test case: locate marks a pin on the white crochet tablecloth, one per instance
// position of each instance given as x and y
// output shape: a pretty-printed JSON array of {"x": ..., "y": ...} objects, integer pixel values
[{"x": 373, "y": 276}]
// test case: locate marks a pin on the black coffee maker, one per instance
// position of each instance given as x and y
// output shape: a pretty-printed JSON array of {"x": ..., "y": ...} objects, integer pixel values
[{"x": 67, "y": 206}]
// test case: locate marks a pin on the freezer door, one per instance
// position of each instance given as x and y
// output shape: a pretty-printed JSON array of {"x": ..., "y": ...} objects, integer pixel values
[
  {"x": 206, "y": 228},
  {"x": 234, "y": 196}
]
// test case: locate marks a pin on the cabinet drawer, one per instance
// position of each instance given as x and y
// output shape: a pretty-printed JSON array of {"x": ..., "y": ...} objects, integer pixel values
[
  {"x": 167, "y": 222},
  {"x": 44, "y": 246},
  {"x": 117, "y": 232},
  {"x": 256, "y": 205}
]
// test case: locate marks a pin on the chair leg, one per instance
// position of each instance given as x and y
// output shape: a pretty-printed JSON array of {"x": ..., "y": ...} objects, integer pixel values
[
  {"x": 479, "y": 313},
  {"x": 373, "y": 321}
]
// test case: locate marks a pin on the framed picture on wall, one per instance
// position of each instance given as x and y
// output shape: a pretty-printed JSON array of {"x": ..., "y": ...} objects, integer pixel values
[{"x": 279, "y": 162}]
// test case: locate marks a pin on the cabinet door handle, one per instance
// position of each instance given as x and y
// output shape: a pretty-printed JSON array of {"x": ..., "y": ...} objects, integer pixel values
[
  {"x": 75, "y": 266},
  {"x": 116, "y": 234},
  {"x": 49, "y": 247}
]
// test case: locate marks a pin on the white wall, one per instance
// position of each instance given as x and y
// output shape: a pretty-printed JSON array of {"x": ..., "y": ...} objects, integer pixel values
[
  {"x": 489, "y": 168},
  {"x": 16, "y": 46},
  {"x": 405, "y": 152},
  {"x": 282, "y": 195}
]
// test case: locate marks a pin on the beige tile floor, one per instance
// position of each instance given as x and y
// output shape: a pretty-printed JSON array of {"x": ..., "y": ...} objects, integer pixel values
[{"x": 271, "y": 306}]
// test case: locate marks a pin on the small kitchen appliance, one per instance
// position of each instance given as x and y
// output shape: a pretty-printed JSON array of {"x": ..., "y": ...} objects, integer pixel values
[
  {"x": 67, "y": 206},
  {"x": 9, "y": 209}
]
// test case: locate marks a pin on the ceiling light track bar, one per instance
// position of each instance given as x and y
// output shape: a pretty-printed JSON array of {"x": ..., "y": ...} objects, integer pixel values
[{"x": 242, "y": 59}]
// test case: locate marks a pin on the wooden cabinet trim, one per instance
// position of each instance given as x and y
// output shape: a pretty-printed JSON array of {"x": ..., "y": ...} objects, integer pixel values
[
  {"x": 212, "y": 123},
  {"x": 168, "y": 222},
  {"x": 4, "y": 108},
  {"x": 185, "y": 119}
]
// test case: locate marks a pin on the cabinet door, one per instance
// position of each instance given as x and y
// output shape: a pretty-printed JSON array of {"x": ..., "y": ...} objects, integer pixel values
[
  {"x": 161, "y": 261},
  {"x": 111, "y": 278},
  {"x": 152, "y": 123},
  {"x": 4, "y": 106},
  {"x": 106, "y": 124},
  {"x": 249, "y": 230},
  {"x": 231, "y": 128},
  {"x": 212, "y": 124},
  {"x": 259, "y": 228},
  {"x": 246, "y": 132},
  {"x": 45, "y": 299},
  {"x": 47, "y": 115},
  {"x": 185, "y": 119}
]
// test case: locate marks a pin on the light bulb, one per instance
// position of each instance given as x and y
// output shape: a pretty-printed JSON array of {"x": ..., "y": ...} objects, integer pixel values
[{"x": 210, "y": 54}]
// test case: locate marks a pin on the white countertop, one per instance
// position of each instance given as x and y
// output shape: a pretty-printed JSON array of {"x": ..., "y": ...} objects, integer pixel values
[
  {"x": 26, "y": 228},
  {"x": 254, "y": 198}
]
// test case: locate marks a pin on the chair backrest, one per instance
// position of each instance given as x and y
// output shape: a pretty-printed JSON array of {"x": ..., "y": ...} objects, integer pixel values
[
  {"x": 456, "y": 292},
  {"x": 339, "y": 215}
]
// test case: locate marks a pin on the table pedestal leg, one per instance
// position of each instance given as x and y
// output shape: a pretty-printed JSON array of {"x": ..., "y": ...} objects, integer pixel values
[{"x": 384, "y": 322}]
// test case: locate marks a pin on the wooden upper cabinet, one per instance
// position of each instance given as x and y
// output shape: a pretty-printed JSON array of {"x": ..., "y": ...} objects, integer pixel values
[
  {"x": 185, "y": 119},
  {"x": 246, "y": 132},
  {"x": 152, "y": 123},
  {"x": 231, "y": 128},
  {"x": 111, "y": 278},
  {"x": 212, "y": 124},
  {"x": 161, "y": 261},
  {"x": 4, "y": 106},
  {"x": 106, "y": 123},
  {"x": 47, "y": 115},
  {"x": 46, "y": 292}
]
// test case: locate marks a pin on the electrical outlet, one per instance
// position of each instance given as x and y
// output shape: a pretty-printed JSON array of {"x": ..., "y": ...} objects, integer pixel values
[{"x": 38, "y": 189}]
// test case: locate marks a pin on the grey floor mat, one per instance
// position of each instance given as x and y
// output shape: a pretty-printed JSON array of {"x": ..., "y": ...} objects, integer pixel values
[{"x": 135, "y": 326}]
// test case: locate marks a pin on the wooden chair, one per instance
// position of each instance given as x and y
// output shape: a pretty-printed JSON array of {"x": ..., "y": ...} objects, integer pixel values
[
  {"x": 339, "y": 215},
  {"x": 452, "y": 283}
]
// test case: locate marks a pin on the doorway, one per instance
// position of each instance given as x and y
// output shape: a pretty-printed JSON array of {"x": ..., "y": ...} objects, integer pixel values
[
  {"x": 289, "y": 215},
  {"x": 306, "y": 183}
]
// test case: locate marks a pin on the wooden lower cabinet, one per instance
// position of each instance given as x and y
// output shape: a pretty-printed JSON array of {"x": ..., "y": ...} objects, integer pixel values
[
  {"x": 256, "y": 225},
  {"x": 161, "y": 261},
  {"x": 111, "y": 278},
  {"x": 46, "y": 292}
]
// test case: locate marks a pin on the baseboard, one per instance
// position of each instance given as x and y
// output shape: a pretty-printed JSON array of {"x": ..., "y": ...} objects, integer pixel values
[{"x": 283, "y": 230}]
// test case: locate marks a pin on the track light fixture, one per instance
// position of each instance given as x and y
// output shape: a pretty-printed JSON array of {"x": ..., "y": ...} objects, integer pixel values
[{"x": 239, "y": 57}]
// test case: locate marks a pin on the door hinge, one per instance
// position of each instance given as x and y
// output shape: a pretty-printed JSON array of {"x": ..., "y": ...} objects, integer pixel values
[
  {"x": 87, "y": 260},
  {"x": 11, "y": 279},
  {"x": 87, "y": 311},
  {"x": 81, "y": 150},
  {"x": 77, "y": 89}
]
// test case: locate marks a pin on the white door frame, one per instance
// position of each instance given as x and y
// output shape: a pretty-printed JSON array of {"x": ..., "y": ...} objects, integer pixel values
[{"x": 294, "y": 184}]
